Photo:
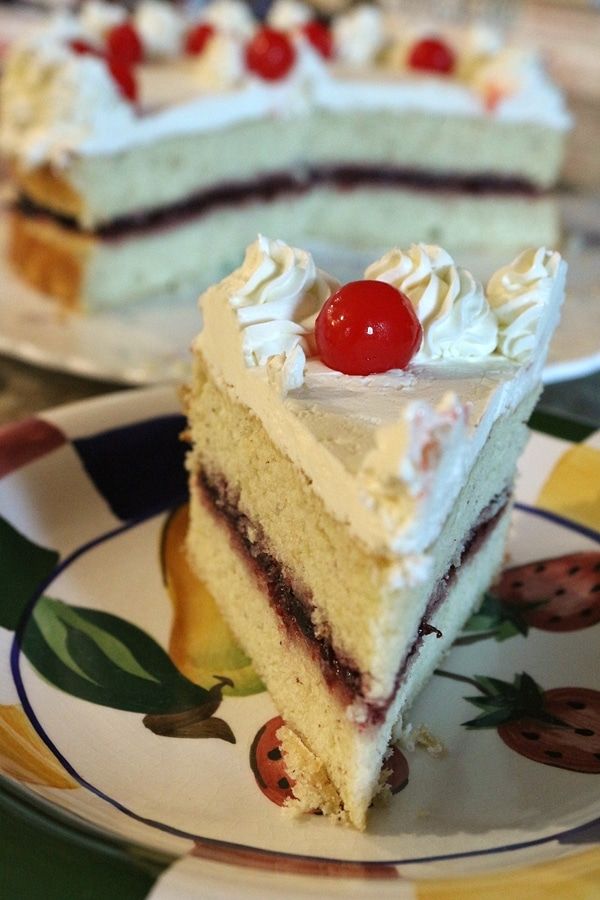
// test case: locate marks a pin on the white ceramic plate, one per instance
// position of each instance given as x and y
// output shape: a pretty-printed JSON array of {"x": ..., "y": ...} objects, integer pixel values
[
  {"x": 147, "y": 343},
  {"x": 89, "y": 631}
]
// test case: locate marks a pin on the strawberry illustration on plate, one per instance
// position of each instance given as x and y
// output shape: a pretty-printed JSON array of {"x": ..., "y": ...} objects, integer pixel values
[
  {"x": 559, "y": 727},
  {"x": 560, "y": 594},
  {"x": 268, "y": 765}
]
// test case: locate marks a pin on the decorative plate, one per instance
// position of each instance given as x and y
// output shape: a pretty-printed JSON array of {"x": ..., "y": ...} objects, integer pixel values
[
  {"x": 126, "y": 706},
  {"x": 148, "y": 342}
]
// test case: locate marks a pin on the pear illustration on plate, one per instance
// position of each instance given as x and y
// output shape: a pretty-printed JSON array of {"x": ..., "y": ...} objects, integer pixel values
[{"x": 201, "y": 644}]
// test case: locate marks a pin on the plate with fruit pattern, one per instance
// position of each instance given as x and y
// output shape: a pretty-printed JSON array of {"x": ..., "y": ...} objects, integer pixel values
[{"x": 128, "y": 712}]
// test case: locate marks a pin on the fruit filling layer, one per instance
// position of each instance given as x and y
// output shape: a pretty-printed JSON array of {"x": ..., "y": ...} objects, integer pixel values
[
  {"x": 294, "y": 605},
  {"x": 276, "y": 185}
]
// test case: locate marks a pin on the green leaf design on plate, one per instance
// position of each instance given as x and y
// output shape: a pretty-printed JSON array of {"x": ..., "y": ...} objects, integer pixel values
[
  {"x": 504, "y": 701},
  {"x": 104, "y": 659},
  {"x": 24, "y": 565}
]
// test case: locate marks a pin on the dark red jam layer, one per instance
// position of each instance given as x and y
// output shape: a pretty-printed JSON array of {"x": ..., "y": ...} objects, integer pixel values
[
  {"x": 272, "y": 187},
  {"x": 294, "y": 605}
]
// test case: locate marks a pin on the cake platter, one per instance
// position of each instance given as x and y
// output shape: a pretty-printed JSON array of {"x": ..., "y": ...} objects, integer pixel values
[
  {"x": 148, "y": 343},
  {"x": 103, "y": 632}
]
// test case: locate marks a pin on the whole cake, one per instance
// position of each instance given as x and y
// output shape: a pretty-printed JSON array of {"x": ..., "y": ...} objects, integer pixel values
[
  {"x": 147, "y": 150},
  {"x": 353, "y": 522}
]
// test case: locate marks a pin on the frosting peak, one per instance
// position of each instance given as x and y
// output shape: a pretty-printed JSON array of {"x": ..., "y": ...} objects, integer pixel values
[
  {"x": 54, "y": 100},
  {"x": 98, "y": 17},
  {"x": 451, "y": 306},
  {"x": 359, "y": 35},
  {"x": 161, "y": 28},
  {"x": 231, "y": 16},
  {"x": 286, "y": 15},
  {"x": 281, "y": 291},
  {"x": 518, "y": 294}
]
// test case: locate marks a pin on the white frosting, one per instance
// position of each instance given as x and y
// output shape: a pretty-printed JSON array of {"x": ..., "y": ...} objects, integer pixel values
[
  {"x": 232, "y": 16},
  {"x": 386, "y": 453},
  {"x": 98, "y": 17},
  {"x": 450, "y": 304},
  {"x": 358, "y": 35},
  {"x": 519, "y": 295},
  {"x": 524, "y": 92},
  {"x": 477, "y": 40},
  {"x": 287, "y": 15},
  {"x": 221, "y": 64},
  {"x": 55, "y": 101},
  {"x": 161, "y": 28},
  {"x": 279, "y": 293}
]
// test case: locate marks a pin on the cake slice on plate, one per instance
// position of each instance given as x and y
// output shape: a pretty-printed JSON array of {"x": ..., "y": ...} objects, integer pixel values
[{"x": 353, "y": 456}]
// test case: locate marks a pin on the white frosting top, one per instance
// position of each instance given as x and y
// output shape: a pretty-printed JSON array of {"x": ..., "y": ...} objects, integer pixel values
[
  {"x": 281, "y": 291},
  {"x": 221, "y": 64},
  {"x": 232, "y": 16},
  {"x": 160, "y": 27},
  {"x": 358, "y": 35},
  {"x": 98, "y": 17},
  {"x": 386, "y": 453},
  {"x": 287, "y": 15},
  {"x": 451, "y": 306},
  {"x": 519, "y": 294},
  {"x": 506, "y": 85},
  {"x": 54, "y": 101}
]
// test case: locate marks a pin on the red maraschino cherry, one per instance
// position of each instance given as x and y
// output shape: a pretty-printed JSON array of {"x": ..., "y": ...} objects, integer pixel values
[
  {"x": 433, "y": 55},
  {"x": 82, "y": 48},
  {"x": 124, "y": 78},
  {"x": 124, "y": 43},
  {"x": 270, "y": 54},
  {"x": 320, "y": 37},
  {"x": 197, "y": 38},
  {"x": 367, "y": 327}
]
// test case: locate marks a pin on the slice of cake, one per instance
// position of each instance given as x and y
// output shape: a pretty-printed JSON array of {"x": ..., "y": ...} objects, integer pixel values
[
  {"x": 348, "y": 524},
  {"x": 148, "y": 149}
]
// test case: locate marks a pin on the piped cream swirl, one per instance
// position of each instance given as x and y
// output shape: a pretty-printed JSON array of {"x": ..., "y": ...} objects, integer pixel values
[
  {"x": 451, "y": 306},
  {"x": 359, "y": 35},
  {"x": 282, "y": 291},
  {"x": 230, "y": 16},
  {"x": 161, "y": 28},
  {"x": 54, "y": 100},
  {"x": 286, "y": 15},
  {"x": 518, "y": 294}
]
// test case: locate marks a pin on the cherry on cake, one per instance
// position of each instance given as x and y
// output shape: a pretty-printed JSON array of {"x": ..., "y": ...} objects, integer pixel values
[
  {"x": 147, "y": 149},
  {"x": 351, "y": 475}
]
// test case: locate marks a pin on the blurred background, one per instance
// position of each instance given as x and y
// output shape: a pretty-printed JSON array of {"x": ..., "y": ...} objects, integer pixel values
[{"x": 567, "y": 32}]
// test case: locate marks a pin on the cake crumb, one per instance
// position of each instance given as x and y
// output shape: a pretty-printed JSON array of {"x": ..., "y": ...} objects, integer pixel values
[
  {"x": 424, "y": 738},
  {"x": 412, "y": 737}
]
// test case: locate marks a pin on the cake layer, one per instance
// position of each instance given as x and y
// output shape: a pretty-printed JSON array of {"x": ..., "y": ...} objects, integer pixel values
[
  {"x": 184, "y": 246},
  {"x": 351, "y": 753},
  {"x": 366, "y": 606},
  {"x": 304, "y": 620},
  {"x": 97, "y": 189}
]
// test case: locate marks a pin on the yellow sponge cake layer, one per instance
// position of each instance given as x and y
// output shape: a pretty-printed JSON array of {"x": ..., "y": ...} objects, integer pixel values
[{"x": 354, "y": 596}]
